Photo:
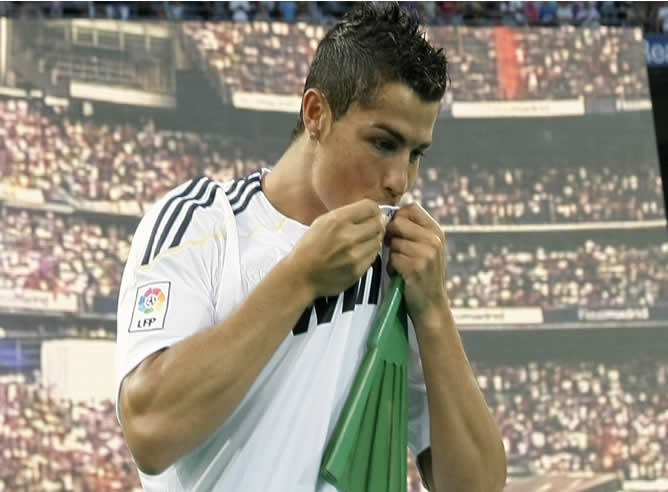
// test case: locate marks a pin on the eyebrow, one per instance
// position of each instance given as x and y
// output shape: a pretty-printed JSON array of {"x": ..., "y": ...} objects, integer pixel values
[{"x": 398, "y": 136}]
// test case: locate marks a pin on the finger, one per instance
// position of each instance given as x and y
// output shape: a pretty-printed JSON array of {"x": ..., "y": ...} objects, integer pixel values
[
  {"x": 409, "y": 248},
  {"x": 367, "y": 251},
  {"x": 359, "y": 211},
  {"x": 419, "y": 215},
  {"x": 403, "y": 227},
  {"x": 373, "y": 227},
  {"x": 399, "y": 263}
]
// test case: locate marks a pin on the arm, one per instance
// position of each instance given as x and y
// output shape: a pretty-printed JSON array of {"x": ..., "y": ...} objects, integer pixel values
[
  {"x": 466, "y": 452},
  {"x": 466, "y": 442},
  {"x": 160, "y": 423}
]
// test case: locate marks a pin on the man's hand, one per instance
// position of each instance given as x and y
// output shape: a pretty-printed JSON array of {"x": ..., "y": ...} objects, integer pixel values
[
  {"x": 417, "y": 252},
  {"x": 340, "y": 246}
]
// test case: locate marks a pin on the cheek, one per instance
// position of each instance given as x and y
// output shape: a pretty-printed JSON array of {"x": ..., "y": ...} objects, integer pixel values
[
  {"x": 360, "y": 173},
  {"x": 359, "y": 179},
  {"x": 345, "y": 177}
]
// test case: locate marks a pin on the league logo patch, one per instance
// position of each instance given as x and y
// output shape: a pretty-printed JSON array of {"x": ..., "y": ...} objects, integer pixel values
[
  {"x": 152, "y": 300},
  {"x": 150, "y": 308}
]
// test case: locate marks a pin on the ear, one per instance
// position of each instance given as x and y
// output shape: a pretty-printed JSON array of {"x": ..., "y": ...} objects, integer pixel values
[{"x": 316, "y": 113}]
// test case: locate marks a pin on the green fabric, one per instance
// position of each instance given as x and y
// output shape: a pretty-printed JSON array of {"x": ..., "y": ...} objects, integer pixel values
[{"x": 368, "y": 448}]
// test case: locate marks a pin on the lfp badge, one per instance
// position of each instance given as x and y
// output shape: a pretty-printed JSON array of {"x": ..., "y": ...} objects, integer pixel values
[
  {"x": 151, "y": 303},
  {"x": 153, "y": 299}
]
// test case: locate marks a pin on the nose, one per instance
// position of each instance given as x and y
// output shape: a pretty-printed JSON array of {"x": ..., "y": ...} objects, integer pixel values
[{"x": 396, "y": 181}]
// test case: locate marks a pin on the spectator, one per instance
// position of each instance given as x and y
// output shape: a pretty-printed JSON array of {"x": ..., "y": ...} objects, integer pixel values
[
  {"x": 117, "y": 10},
  {"x": 532, "y": 13},
  {"x": 587, "y": 15},
  {"x": 263, "y": 11},
  {"x": 548, "y": 13},
  {"x": 565, "y": 13},
  {"x": 241, "y": 11},
  {"x": 314, "y": 12},
  {"x": 452, "y": 13},
  {"x": 173, "y": 10},
  {"x": 288, "y": 11},
  {"x": 609, "y": 14},
  {"x": 513, "y": 13},
  {"x": 662, "y": 17}
]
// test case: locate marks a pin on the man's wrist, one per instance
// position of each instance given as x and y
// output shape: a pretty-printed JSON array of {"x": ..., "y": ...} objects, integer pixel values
[
  {"x": 297, "y": 280},
  {"x": 431, "y": 321}
]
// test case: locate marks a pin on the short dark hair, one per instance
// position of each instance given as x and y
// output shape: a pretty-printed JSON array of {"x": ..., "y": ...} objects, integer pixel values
[{"x": 373, "y": 44}]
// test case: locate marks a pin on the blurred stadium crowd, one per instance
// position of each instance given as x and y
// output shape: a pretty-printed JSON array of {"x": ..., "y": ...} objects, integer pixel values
[
  {"x": 651, "y": 16},
  {"x": 63, "y": 255},
  {"x": 492, "y": 274},
  {"x": 75, "y": 254},
  {"x": 87, "y": 165},
  {"x": 546, "y": 193},
  {"x": 80, "y": 162},
  {"x": 599, "y": 417},
  {"x": 583, "y": 416},
  {"x": 48, "y": 444},
  {"x": 540, "y": 63},
  {"x": 554, "y": 417},
  {"x": 85, "y": 161}
]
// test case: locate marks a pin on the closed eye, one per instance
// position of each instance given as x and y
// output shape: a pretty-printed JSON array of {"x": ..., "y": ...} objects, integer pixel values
[{"x": 385, "y": 145}]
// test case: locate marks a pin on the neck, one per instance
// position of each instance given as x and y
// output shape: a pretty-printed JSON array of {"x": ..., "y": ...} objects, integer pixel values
[{"x": 289, "y": 186}]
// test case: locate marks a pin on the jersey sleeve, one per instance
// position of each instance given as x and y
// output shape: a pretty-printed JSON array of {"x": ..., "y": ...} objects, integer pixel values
[
  {"x": 419, "y": 438},
  {"x": 169, "y": 283}
]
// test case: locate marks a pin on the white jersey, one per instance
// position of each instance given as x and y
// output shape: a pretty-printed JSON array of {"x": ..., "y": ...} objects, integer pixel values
[{"x": 195, "y": 256}]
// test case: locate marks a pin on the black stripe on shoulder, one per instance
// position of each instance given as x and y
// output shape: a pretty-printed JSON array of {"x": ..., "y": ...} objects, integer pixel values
[
  {"x": 238, "y": 194},
  {"x": 177, "y": 210},
  {"x": 191, "y": 211},
  {"x": 163, "y": 211},
  {"x": 249, "y": 196},
  {"x": 233, "y": 187}
]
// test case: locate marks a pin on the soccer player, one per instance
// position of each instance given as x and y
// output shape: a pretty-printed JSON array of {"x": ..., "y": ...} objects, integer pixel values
[{"x": 245, "y": 307}]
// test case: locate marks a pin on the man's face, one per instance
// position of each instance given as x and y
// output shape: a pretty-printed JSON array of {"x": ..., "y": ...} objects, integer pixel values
[{"x": 374, "y": 152}]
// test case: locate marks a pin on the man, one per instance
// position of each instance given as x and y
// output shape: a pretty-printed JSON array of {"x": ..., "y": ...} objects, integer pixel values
[{"x": 244, "y": 309}]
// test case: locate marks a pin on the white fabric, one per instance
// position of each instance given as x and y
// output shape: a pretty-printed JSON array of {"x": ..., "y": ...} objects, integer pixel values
[{"x": 275, "y": 439}]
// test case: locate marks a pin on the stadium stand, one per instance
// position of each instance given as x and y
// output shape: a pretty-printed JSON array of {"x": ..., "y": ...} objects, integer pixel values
[
  {"x": 546, "y": 193},
  {"x": 53, "y": 445},
  {"x": 83, "y": 162},
  {"x": 584, "y": 416},
  {"x": 488, "y": 273},
  {"x": 554, "y": 416},
  {"x": 563, "y": 63},
  {"x": 580, "y": 61},
  {"x": 265, "y": 57},
  {"x": 72, "y": 254},
  {"x": 62, "y": 254},
  {"x": 651, "y": 17}
]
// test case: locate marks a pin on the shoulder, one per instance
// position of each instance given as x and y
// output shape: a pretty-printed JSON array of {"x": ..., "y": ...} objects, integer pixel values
[
  {"x": 240, "y": 192},
  {"x": 191, "y": 212}
]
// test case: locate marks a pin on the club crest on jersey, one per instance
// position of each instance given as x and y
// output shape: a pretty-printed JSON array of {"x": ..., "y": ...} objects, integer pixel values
[{"x": 150, "y": 307}]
